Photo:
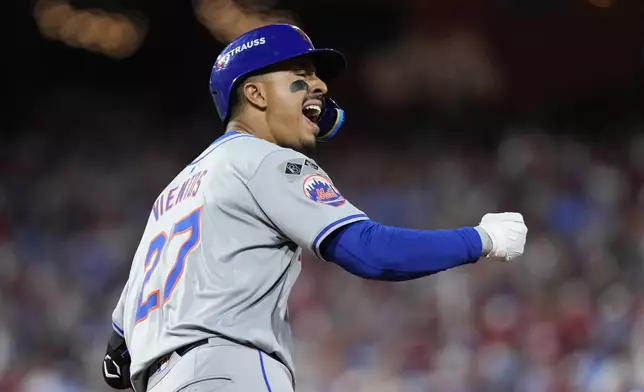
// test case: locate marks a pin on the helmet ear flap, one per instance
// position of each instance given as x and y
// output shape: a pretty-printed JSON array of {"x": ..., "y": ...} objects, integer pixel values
[{"x": 330, "y": 121}]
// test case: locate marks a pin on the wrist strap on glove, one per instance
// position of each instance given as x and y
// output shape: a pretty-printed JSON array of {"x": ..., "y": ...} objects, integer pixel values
[{"x": 116, "y": 364}]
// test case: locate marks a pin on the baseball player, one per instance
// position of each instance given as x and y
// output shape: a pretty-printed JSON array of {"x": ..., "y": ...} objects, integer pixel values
[{"x": 205, "y": 305}]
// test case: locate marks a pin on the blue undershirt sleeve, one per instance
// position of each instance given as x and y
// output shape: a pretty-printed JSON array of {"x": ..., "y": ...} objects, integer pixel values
[{"x": 374, "y": 251}]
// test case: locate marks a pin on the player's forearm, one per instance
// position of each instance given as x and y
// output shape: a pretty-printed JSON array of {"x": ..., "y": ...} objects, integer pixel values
[{"x": 373, "y": 251}]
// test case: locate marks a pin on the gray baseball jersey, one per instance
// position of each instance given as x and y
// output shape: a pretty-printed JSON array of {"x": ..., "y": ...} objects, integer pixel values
[{"x": 222, "y": 249}]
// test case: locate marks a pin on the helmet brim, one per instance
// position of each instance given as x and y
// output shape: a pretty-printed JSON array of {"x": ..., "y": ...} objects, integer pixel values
[{"x": 329, "y": 63}]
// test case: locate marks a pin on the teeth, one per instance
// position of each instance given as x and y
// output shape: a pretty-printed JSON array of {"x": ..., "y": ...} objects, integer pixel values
[{"x": 317, "y": 108}]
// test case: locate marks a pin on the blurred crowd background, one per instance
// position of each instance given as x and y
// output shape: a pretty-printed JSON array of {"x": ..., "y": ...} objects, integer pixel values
[{"x": 454, "y": 109}]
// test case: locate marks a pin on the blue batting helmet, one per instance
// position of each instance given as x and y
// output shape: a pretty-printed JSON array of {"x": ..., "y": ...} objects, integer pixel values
[{"x": 260, "y": 48}]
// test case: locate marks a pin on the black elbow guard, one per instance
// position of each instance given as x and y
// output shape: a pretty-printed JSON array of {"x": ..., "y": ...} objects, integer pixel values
[{"x": 116, "y": 364}]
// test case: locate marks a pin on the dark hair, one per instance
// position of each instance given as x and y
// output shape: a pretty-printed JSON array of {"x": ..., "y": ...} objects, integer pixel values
[{"x": 236, "y": 99}]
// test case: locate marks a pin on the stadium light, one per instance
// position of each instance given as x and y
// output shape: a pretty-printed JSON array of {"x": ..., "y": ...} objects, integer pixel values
[
  {"x": 225, "y": 19},
  {"x": 111, "y": 34}
]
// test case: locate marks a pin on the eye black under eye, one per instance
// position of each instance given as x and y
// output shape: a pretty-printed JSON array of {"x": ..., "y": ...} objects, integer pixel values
[{"x": 299, "y": 85}]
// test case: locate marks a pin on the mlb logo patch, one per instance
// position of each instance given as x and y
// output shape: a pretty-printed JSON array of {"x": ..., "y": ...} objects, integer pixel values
[
  {"x": 311, "y": 165},
  {"x": 321, "y": 190}
]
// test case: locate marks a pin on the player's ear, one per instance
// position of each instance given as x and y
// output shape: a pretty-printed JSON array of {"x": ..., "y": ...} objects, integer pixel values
[{"x": 254, "y": 91}]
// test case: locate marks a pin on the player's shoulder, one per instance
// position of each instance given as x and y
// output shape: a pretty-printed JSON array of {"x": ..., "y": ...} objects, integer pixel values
[
  {"x": 243, "y": 154},
  {"x": 271, "y": 159},
  {"x": 237, "y": 147},
  {"x": 289, "y": 162},
  {"x": 249, "y": 148}
]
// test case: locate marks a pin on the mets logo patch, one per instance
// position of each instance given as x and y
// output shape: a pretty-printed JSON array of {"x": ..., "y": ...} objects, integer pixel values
[{"x": 321, "y": 190}]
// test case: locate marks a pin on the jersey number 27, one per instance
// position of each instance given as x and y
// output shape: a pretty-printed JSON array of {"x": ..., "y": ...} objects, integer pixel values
[{"x": 191, "y": 224}]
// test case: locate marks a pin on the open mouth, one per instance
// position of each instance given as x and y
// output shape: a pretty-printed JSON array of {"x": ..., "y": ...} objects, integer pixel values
[{"x": 312, "y": 110}]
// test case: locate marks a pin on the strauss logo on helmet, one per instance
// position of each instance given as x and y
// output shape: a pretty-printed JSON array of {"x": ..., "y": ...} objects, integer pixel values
[{"x": 224, "y": 58}]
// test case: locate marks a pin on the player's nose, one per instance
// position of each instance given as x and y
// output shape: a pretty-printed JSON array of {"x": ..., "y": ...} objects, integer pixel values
[{"x": 318, "y": 86}]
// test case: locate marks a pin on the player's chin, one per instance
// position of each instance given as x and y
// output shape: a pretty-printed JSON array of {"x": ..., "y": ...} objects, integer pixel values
[
  {"x": 308, "y": 133},
  {"x": 307, "y": 144},
  {"x": 309, "y": 127},
  {"x": 304, "y": 143}
]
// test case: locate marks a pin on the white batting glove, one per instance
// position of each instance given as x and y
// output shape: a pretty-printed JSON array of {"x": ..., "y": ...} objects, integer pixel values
[{"x": 507, "y": 233}]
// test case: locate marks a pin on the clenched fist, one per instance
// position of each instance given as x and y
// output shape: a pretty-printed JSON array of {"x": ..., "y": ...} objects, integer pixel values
[{"x": 507, "y": 232}]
